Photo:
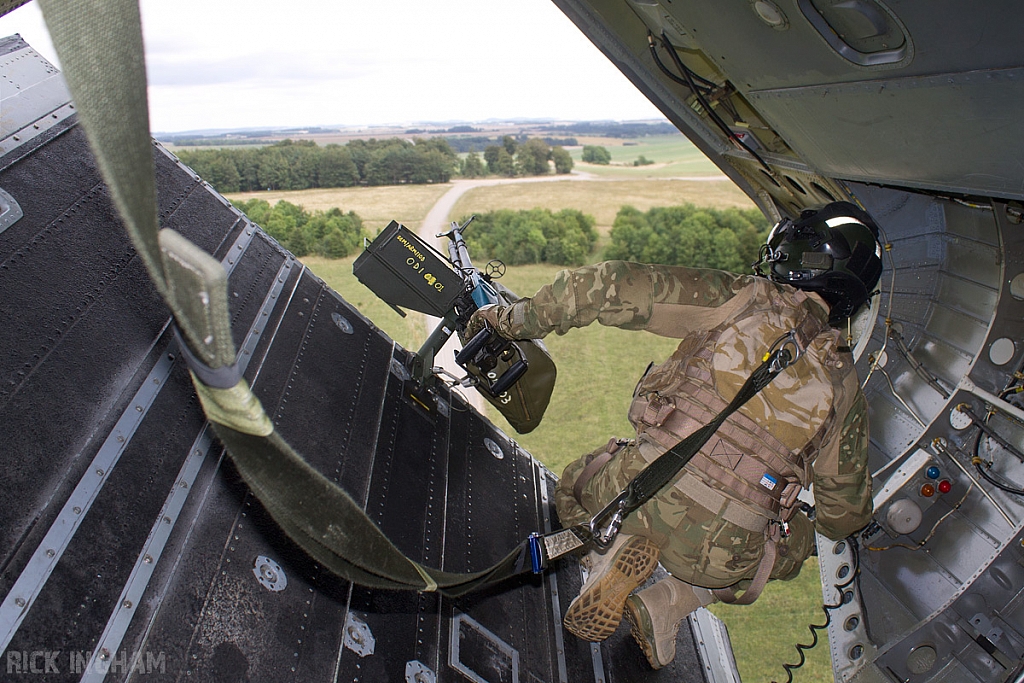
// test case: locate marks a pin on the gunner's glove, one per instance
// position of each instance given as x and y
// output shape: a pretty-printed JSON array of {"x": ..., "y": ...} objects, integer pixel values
[{"x": 489, "y": 315}]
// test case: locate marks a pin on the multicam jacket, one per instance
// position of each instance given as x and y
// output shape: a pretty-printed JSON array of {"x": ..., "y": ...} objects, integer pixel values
[{"x": 807, "y": 428}]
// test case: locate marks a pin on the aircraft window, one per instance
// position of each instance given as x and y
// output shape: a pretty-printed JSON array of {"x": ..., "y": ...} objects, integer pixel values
[
  {"x": 796, "y": 186},
  {"x": 1017, "y": 287},
  {"x": 769, "y": 177},
  {"x": 1002, "y": 351},
  {"x": 823, "y": 191}
]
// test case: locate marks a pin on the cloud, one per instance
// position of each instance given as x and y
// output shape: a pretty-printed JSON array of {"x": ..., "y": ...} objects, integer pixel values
[
  {"x": 271, "y": 70},
  {"x": 254, "y": 63}
]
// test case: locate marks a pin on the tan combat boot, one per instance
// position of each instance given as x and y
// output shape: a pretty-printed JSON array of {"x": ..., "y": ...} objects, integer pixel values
[
  {"x": 655, "y": 614},
  {"x": 614, "y": 574}
]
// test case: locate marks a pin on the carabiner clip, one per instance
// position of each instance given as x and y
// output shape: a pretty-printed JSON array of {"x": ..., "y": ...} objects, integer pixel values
[
  {"x": 781, "y": 359},
  {"x": 617, "y": 509}
]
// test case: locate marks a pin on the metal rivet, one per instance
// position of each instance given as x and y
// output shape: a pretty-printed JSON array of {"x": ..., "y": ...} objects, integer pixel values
[
  {"x": 50, "y": 552},
  {"x": 104, "y": 654},
  {"x": 77, "y": 510},
  {"x": 127, "y": 604},
  {"x": 20, "y": 602},
  {"x": 99, "y": 472},
  {"x": 147, "y": 559}
]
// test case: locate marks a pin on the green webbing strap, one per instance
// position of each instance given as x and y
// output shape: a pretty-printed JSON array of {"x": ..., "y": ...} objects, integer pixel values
[
  {"x": 330, "y": 526},
  {"x": 100, "y": 47}
]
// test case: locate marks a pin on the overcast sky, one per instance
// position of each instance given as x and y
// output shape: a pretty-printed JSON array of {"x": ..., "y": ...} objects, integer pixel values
[{"x": 236, "y": 64}]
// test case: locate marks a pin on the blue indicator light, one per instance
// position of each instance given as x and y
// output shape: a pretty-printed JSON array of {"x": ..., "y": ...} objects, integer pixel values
[{"x": 933, "y": 472}]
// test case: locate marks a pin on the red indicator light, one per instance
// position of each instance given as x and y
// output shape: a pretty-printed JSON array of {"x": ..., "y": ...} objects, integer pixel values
[
  {"x": 927, "y": 490},
  {"x": 945, "y": 486}
]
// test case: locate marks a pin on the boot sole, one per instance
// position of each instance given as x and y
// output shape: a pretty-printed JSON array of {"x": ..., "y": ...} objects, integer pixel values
[
  {"x": 640, "y": 625},
  {"x": 596, "y": 613}
]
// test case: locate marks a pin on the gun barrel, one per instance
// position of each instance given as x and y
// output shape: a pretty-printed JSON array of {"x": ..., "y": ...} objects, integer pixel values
[{"x": 457, "y": 249}]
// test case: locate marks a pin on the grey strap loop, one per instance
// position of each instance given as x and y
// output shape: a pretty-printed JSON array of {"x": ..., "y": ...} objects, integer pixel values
[{"x": 217, "y": 378}]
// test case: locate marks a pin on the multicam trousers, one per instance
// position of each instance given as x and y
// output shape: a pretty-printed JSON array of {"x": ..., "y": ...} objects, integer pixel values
[{"x": 698, "y": 545}]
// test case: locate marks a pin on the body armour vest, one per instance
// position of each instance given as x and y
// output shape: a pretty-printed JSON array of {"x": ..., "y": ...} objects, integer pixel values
[{"x": 762, "y": 455}]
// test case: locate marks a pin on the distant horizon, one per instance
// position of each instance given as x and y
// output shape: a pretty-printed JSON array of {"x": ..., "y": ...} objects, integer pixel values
[{"x": 494, "y": 121}]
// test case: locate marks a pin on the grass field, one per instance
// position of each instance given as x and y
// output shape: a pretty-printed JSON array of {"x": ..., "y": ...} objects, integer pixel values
[
  {"x": 601, "y": 199},
  {"x": 377, "y": 206},
  {"x": 673, "y": 156},
  {"x": 597, "y": 370}
]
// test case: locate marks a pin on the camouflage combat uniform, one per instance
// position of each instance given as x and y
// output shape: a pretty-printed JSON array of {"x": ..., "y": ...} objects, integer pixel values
[{"x": 709, "y": 524}]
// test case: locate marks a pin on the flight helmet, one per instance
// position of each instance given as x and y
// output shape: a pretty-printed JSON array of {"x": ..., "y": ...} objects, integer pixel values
[{"x": 833, "y": 251}]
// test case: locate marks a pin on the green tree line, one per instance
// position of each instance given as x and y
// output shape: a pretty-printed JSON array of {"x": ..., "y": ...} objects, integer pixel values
[
  {"x": 514, "y": 158},
  {"x": 302, "y": 164},
  {"x": 727, "y": 239},
  {"x": 532, "y": 236},
  {"x": 477, "y": 143},
  {"x": 331, "y": 233}
]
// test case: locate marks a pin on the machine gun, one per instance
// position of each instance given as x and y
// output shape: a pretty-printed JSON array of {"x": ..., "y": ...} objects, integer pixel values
[{"x": 516, "y": 377}]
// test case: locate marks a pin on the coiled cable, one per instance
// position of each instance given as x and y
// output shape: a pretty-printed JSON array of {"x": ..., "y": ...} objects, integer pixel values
[{"x": 827, "y": 609}]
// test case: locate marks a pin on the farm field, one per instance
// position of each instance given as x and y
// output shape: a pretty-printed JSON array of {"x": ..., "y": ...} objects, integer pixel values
[
  {"x": 673, "y": 156},
  {"x": 602, "y": 199},
  {"x": 377, "y": 206}
]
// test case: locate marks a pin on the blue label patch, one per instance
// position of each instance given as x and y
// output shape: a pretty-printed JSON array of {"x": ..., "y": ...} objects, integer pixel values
[{"x": 768, "y": 481}]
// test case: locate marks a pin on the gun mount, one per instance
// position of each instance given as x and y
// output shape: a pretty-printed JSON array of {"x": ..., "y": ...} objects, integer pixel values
[{"x": 516, "y": 377}]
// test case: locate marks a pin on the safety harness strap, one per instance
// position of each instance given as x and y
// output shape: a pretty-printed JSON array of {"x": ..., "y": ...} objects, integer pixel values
[{"x": 764, "y": 572}]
